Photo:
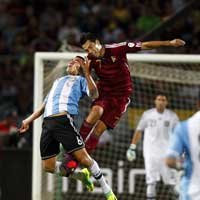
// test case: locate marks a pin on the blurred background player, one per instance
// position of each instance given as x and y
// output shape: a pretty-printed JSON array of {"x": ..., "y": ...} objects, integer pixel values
[
  {"x": 186, "y": 140},
  {"x": 157, "y": 124},
  {"x": 110, "y": 64},
  {"x": 58, "y": 126}
]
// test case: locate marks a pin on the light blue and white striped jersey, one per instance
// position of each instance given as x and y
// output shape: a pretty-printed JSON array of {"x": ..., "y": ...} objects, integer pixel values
[
  {"x": 186, "y": 139},
  {"x": 65, "y": 95}
]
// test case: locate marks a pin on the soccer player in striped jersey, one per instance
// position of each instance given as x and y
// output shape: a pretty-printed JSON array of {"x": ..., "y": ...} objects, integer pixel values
[
  {"x": 157, "y": 124},
  {"x": 110, "y": 64},
  {"x": 58, "y": 126},
  {"x": 186, "y": 140}
]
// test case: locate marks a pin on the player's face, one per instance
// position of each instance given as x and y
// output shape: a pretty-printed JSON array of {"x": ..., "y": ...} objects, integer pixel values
[
  {"x": 160, "y": 103},
  {"x": 74, "y": 66},
  {"x": 93, "y": 48}
]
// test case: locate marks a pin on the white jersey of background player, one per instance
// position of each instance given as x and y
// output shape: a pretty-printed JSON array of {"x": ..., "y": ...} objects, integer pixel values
[
  {"x": 157, "y": 124},
  {"x": 186, "y": 139}
]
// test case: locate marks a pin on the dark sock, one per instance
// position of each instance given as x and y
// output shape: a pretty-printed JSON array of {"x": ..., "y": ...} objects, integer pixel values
[
  {"x": 85, "y": 129},
  {"x": 91, "y": 143}
]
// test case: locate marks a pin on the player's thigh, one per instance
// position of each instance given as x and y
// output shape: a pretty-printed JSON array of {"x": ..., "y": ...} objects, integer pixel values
[
  {"x": 49, "y": 147},
  {"x": 49, "y": 164},
  {"x": 95, "y": 114},
  {"x": 113, "y": 110}
]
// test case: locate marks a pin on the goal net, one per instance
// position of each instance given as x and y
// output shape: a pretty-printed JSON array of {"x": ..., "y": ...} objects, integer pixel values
[{"x": 176, "y": 75}]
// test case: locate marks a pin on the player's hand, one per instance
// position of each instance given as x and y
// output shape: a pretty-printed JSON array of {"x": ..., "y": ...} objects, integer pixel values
[
  {"x": 131, "y": 153},
  {"x": 177, "y": 43},
  {"x": 86, "y": 66},
  {"x": 24, "y": 127}
]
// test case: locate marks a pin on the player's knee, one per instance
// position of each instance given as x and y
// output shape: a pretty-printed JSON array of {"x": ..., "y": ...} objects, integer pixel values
[
  {"x": 97, "y": 110},
  {"x": 95, "y": 114}
]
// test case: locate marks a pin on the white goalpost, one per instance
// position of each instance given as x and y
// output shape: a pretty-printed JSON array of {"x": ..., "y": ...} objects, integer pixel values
[{"x": 172, "y": 72}]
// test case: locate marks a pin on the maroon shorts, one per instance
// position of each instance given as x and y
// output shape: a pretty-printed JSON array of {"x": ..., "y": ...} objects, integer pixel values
[{"x": 113, "y": 107}]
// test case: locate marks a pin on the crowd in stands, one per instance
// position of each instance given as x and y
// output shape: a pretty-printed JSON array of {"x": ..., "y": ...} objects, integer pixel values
[{"x": 27, "y": 26}]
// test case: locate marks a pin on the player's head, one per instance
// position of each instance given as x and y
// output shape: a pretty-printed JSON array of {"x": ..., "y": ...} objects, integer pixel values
[
  {"x": 160, "y": 102},
  {"x": 74, "y": 66},
  {"x": 91, "y": 44}
]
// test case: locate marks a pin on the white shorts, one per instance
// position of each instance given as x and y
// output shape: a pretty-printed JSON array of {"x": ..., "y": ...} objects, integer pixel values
[{"x": 156, "y": 169}]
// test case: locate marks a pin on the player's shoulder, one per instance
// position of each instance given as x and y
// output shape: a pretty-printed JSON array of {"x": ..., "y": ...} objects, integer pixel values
[
  {"x": 196, "y": 115},
  {"x": 171, "y": 112},
  {"x": 115, "y": 45},
  {"x": 149, "y": 111}
]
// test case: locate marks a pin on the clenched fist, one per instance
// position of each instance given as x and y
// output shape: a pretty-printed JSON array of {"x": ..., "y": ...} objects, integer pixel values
[{"x": 177, "y": 43}]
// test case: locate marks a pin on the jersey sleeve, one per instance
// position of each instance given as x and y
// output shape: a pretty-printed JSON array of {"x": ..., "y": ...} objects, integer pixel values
[
  {"x": 132, "y": 47},
  {"x": 84, "y": 86},
  {"x": 176, "y": 145},
  {"x": 124, "y": 47},
  {"x": 142, "y": 123}
]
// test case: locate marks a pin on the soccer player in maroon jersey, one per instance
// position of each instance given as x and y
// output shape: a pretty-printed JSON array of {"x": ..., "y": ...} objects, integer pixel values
[{"x": 110, "y": 64}]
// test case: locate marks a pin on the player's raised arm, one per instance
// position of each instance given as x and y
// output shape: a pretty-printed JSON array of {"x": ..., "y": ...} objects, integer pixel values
[
  {"x": 25, "y": 123},
  {"x": 157, "y": 44},
  {"x": 93, "y": 91}
]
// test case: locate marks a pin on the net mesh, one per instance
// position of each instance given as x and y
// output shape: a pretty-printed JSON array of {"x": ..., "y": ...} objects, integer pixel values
[{"x": 180, "y": 81}]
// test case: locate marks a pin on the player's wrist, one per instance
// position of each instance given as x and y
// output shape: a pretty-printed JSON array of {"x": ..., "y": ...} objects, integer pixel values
[
  {"x": 167, "y": 43},
  {"x": 133, "y": 146}
]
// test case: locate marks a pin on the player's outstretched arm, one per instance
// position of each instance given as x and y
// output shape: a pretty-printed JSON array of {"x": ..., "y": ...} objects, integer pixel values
[
  {"x": 131, "y": 152},
  {"x": 93, "y": 91},
  {"x": 25, "y": 123},
  {"x": 167, "y": 43}
]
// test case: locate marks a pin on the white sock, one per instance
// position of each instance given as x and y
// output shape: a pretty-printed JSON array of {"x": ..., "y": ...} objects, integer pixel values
[
  {"x": 96, "y": 172},
  {"x": 57, "y": 167},
  {"x": 151, "y": 191}
]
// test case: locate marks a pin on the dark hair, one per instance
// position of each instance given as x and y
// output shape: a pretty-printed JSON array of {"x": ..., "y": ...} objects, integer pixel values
[
  {"x": 81, "y": 70},
  {"x": 87, "y": 36},
  {"x": 160, "y": 93},
  {"x": 80, "y": 57}
]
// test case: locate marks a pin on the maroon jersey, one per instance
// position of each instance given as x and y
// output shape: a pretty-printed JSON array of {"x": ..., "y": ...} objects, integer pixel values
[{"x": 113, "y": 70}]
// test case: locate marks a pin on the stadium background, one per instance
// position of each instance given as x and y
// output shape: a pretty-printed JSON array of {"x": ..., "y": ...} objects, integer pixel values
[{"x": 26, "y": 26}]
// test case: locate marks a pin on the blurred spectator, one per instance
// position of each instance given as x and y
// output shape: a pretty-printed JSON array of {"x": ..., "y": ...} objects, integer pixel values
[
  {"x": 148, "y": 20},
  {"x": 121, "y": 13},
  {"x": 111, "y": 32},
  {"x": 8, "y": 129},
  {"x": 69, "y": 28}
]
